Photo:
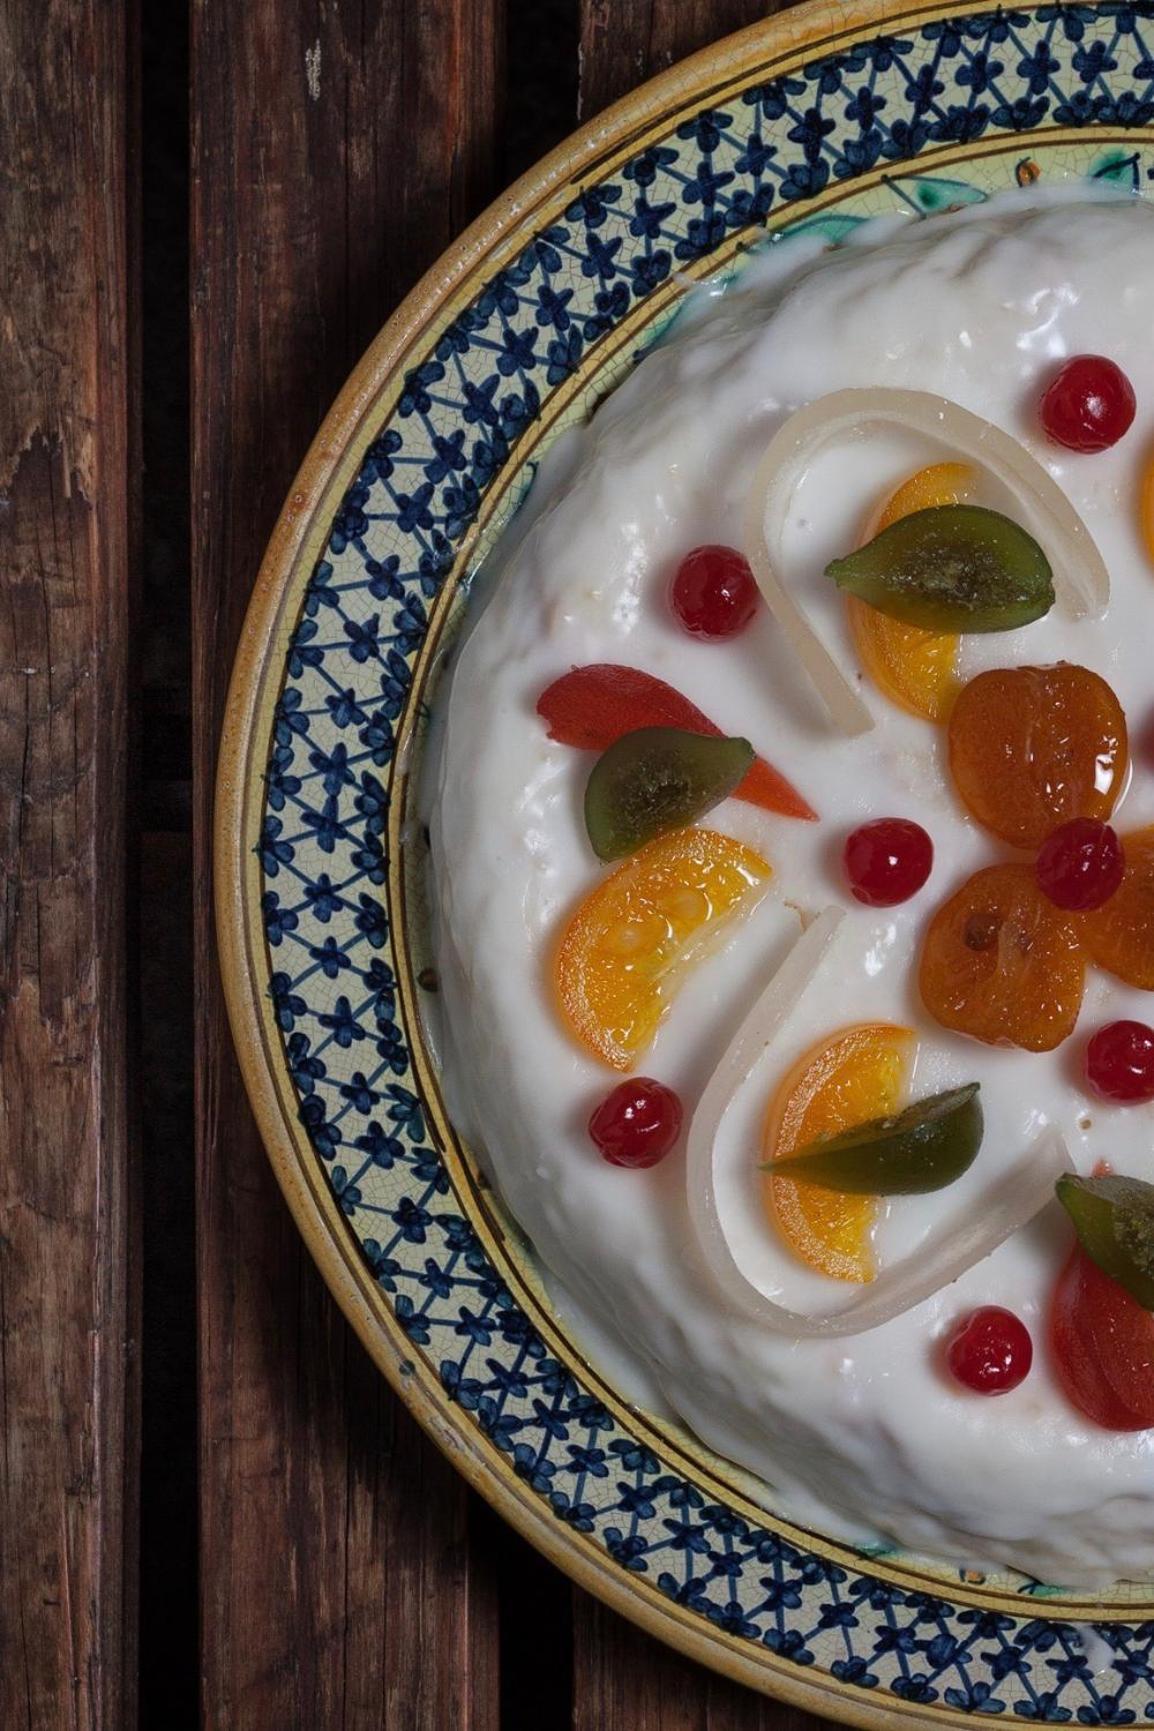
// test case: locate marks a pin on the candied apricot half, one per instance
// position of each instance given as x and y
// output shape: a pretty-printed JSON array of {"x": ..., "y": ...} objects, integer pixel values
[
  {"x": 1120, "y": 934},
  {"x": 1000, "y": 962},
  {"x": 915, "y": 669},
  {"x": 1032, "y": 747},
  {"x": 856, "y": 1075},
  {"x": 628, "y": 943}
]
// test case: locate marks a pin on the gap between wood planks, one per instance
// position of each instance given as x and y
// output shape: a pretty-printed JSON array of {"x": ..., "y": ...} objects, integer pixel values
[
  {"x": 334, "y": 154},
  {"x": 347, "y": 1576},
  {"x": 69, "y": 454}
]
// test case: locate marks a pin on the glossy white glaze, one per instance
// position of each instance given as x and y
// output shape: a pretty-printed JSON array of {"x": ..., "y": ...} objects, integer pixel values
[{"x": 863, "y": 1434}]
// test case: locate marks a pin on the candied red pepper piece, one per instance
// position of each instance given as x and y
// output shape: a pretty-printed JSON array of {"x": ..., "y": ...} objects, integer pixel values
[
  {"x": 592, "y": 707},
  {"x": 1102, "y": 1342}
]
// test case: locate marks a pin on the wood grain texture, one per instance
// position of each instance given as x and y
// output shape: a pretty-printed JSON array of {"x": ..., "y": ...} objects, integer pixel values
[
  {"x": 67, "y": 554},
  {"x": 624, "y": 42},
  {"x": 335, "y": 152},
  {"x": 624, "y": 1679}
]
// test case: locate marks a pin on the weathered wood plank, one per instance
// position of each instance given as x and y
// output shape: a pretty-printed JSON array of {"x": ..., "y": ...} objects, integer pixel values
[
  {"x": 68, "y": 452},
  {"x": 623, "y": 1679},
  {"x": 624, "y": 42},
  {"x": 336, "y": 150}
]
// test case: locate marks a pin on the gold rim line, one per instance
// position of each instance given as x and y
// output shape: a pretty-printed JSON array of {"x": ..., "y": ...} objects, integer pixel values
[
  {"x": 942, "y": 1587},
  {"x": 329, "y": 1238},
  {"x": 680, "y": 1450},
  {"x": 938, "y": 1586}
]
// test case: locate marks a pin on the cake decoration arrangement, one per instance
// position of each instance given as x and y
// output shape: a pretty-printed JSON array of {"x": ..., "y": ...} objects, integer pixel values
[
  {"x": 795, "y": 876},
  {"x": 912, "y": 666},
  {"x": 593, "y": 707}
]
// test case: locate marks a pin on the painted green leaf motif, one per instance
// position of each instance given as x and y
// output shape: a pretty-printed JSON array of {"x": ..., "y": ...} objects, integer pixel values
[
  {"x": 924, "y": 1148},
  {"x": 1034, "y": 1589},
  {"x": 1119, "y": 168},
  {"x": 951, "y": 568},
  {"x": 1114, "y": 1220},
  {"x": 657, "y": 779},
  {"x": 932, "y": 192}
]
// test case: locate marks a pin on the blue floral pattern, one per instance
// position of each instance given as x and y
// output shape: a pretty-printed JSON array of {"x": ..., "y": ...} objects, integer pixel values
[{"x": 860, "y": 113}]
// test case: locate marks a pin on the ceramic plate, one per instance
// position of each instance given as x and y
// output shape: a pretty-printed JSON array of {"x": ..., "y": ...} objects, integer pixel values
[{"x": 814, "y": 121}]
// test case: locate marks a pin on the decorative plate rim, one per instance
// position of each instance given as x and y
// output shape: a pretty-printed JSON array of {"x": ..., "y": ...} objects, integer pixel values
[{"x": 297, "y": 539}]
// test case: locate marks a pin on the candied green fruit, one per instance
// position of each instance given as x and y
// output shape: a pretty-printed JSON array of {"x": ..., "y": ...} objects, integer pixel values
[
  {"x": 1114, "y": 1220},
  {"x": 924, "y": 1148},
  {"x": 658, "y": 779},
  {"x": 951, "y": 568}
]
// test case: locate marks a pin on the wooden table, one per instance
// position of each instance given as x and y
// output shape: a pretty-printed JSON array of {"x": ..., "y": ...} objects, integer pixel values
[{"x": 205, "y": 220}]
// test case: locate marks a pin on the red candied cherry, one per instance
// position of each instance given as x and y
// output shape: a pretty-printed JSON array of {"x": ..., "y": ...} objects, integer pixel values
[
  {"x": 714, "y": 592},
  {"x": 1080, "y": 865},
  {"x": 1088, "y": 405},
  {"x": 888, "y": 861},
  {"x": 990, "y": 1351},
  {"x": 1120, "y": 1062},
  {"x": 638, "y": 1123}
]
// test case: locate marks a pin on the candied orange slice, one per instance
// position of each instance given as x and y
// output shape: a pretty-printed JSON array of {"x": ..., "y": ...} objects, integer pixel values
[
  {"x": 1146, "y": 506},
  {"x": 625, "y": 948},
  {"x": 913, "y": 668},
  {"x": 858, "y": 1074},
  {"x": 1033, "y": 747},
  {"x": 1000, "y": 962},
  {"x": 939, "y": 484},
  {"x": 1120, "y": 934}
]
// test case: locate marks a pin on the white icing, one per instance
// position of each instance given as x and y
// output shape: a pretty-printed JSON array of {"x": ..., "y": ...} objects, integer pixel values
[{"x": 862, "y": 1434}]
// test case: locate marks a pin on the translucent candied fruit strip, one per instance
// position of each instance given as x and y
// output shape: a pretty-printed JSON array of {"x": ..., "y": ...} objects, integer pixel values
[
  {"x": 1080, "y": 576},
  {"x": 1023, "y": 1189}
]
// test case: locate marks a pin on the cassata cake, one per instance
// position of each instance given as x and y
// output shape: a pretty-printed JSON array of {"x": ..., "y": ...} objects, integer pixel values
[{"x": 791, "y": 803}]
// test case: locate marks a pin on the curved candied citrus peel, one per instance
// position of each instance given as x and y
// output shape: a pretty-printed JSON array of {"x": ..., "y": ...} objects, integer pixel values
[
  {"x": 1119, "y": 935},
  {"x": 1033, "y": 747},
  {"x": 856, "y": 1075},
  {"x": 626, "y": 946},
  {"x": 1001, "y": 963},
  {"x": 915, "y": 669}
]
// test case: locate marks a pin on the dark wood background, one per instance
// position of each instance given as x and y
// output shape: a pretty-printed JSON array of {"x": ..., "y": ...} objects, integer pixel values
[{"x": 212, "y": 1509}]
